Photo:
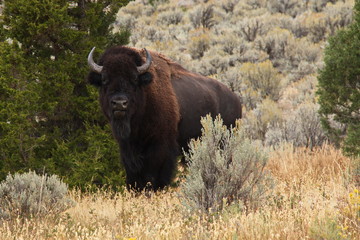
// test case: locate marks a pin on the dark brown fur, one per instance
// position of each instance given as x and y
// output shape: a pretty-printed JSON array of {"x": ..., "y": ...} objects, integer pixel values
[{"x": 165, "y": 107}]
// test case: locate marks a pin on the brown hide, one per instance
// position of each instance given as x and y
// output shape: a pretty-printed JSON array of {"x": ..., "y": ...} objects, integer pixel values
[{"x": 197, "y": 96}]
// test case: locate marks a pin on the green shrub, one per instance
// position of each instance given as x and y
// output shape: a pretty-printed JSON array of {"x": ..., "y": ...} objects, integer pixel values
[
  {"x": 352, "y": 140},
  {"x": 339, "y": 84},
  {"x": 29, "y": 194},
  {"x": 224, "y": 168}
]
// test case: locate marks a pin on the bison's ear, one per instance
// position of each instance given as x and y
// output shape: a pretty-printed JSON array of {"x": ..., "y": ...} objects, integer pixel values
[
  {"x": 95, "y": 79},
  {"x": 145, "y": 78}
]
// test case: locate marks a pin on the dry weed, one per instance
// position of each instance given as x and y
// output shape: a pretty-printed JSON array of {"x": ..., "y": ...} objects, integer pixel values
[
  {"x": 310, "y": 190},
  {"x": 322, "y": 163}
]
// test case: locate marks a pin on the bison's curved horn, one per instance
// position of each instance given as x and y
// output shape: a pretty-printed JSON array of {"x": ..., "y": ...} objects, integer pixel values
[
  {"x": 143, "y": 68},
  {"x": 93, "y": 66}
]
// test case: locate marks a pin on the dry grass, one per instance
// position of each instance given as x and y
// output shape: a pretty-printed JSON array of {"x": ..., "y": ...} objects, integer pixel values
[{"x": 312, "y": 189}]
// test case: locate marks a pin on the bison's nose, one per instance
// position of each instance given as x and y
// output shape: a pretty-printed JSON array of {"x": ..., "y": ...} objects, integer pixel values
[{"x": 120, "y": 103}]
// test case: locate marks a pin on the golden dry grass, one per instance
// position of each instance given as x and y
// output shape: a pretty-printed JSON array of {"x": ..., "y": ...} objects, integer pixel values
[{"x": 310, "y": 201}]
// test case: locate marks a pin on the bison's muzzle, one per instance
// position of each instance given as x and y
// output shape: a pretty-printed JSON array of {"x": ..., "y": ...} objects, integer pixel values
[{"x": 119, "y": 105}]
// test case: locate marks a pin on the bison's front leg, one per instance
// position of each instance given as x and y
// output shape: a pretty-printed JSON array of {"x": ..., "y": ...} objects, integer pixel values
[
  {"x": 134, "y": 181},
  {"x": 160, "y": 163},
  {"x": 133, "y": 162},
  {"x": 151, "y": 166}
]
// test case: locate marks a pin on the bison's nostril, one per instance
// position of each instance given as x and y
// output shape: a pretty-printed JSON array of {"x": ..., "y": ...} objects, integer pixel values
[{"x": 124, "y": 103}]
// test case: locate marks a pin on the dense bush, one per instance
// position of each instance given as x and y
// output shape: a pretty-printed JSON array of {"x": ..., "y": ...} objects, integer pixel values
[
  {"x": 29, "y": 194},
  {"x": 274, "y": 43},
  {"x": 47, "y": 109},
  {"x": 200, "y": 42},
  {"x": 225, "y": 168},
  {"x": 167, "y": 18},
  {"x": 203, "y": 16},
  {"x": 263, "y": 78},
  {"x": 302, "y": 128},
  {"x": 257, "y": 121},
  {"x": 289, "y": 7},
  {"x": 228, "y": 5},
  {"x": 338, "y": 16},
  {"x": 250, "y": 29}
]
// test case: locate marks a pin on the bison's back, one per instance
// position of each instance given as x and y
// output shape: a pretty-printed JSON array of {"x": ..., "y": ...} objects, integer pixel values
[{"x": 199, "y": 96}]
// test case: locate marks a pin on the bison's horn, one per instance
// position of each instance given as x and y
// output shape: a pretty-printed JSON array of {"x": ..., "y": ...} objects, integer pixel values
[
  {"x": 93, "y": 66},
  {"x": 143, "y": 68}
]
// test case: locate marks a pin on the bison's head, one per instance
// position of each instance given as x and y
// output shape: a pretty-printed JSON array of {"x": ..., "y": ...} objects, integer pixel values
[{"x": 121, "y": 76}]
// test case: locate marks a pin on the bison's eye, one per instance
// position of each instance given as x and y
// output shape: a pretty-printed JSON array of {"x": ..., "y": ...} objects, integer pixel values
[{"x": 145, "y": 78}]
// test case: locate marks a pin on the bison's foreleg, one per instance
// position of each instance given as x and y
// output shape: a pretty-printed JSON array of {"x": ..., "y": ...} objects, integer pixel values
[
  {"x": 160, "y": 163},
  {"x": 153, "y": 168}
]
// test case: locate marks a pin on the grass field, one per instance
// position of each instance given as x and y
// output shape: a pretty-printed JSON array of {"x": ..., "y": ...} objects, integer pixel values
[{"x": 314, "y": 198}]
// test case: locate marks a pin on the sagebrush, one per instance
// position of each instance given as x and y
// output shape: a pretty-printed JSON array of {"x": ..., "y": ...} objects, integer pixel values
[
  {"x": 29, "y": 194},
  {"x": 225, "y": 168},
  {"x": 302, "y": 128}
]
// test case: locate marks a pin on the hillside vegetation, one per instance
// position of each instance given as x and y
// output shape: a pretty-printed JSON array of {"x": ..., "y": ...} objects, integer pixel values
[
  {"x": 270, "y": 53},
  {"x": 267, "y": 51}
]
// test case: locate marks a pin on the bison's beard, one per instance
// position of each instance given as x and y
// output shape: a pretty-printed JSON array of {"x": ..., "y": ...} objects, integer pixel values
[{"x": 121, "y": 128}]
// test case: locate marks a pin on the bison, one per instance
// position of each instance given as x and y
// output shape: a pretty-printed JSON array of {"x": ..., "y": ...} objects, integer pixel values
[{"x": 154, "y": 107}]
